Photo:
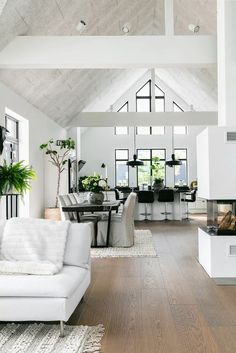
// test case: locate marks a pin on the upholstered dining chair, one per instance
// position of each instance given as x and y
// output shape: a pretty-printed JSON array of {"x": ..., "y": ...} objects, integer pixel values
[
  {"x": 73, "y": 198},
  {"x": 122, "y": 226}
]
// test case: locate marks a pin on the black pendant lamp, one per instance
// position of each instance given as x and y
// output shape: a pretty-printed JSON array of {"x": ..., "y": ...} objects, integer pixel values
[
  {"x": 173, "y": 161},
  {"x": 135, "y": 162}
]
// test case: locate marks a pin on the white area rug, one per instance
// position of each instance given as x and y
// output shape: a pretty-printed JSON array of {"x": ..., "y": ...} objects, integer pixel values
[
  {"x": 42, "y": 338},
  {"x": 143, "y": 247}
]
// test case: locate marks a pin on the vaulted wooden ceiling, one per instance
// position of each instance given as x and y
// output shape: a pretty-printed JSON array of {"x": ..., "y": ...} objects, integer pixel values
[{"x": 61, "y": 94}]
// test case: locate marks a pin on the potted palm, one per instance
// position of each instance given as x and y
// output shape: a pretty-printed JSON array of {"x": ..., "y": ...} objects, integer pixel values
[
  {"x": 95, "y": 185},
  {"x": 157, "y": 174},
  {"x": 15, "y": 178},
  {"x": 58, "y": 156}
]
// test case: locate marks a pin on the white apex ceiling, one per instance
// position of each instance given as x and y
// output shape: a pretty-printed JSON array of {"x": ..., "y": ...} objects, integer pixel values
[
  {"x": 60, "y": 17},
  {"x": 103, "y": 17},
  {"x": 196, "y": 86},
  {"x": 2, "y": 5},
  {"x": 61, "y": 94}
]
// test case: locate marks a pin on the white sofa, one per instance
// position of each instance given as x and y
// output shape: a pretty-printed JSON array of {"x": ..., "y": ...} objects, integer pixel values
[{"x": 49, "y": 298}]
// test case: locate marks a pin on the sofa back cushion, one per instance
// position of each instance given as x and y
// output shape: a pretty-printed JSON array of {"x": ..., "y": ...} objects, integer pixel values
[
  {"x": 77, "y": 251},
  {"x": 78, "y": 244}
]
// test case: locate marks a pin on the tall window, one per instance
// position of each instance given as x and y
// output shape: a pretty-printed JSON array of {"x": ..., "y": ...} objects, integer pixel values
[
  {"x": 179, "y": 130},
  {"x": 181, "y": 171},
  {"x": 159, "y": 107},
  {"x": 159, "y": 99},
  {"x": 122, "y": 130},
  {"x": 145, "y": 172},
  {"x": 12, "y": 141},
  {"x": 144, "y": 104},
  {"x": 122, "y": 170}
]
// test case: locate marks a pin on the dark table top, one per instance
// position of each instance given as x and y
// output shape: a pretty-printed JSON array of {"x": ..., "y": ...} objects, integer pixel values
[
  {"x": 88, "y": 207},
  {"x": 181, "y": 190}
]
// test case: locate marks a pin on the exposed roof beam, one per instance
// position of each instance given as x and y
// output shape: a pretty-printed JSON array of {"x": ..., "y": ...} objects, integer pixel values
[
  {"x": 144, "y": 119},
  {"x": 93, "y": 52}
]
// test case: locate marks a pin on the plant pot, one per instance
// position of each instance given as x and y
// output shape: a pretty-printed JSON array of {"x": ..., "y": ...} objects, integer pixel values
[
  {"x": 52, "y": 213},
  {"x": 158, "y": 185},
  {"x": 95, "y": 198}
]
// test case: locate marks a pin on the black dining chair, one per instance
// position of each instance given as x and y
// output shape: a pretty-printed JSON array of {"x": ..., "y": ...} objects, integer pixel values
[
  {"x": 188, "y": 198},
  {"x": 118, "y": 198},
  {"x": 146, "y": 197},
  {"x": 166, "y": 196}
]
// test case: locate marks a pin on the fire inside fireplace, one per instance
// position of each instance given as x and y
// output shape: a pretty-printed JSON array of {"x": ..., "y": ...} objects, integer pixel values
[{"x": 221, "y": 216}]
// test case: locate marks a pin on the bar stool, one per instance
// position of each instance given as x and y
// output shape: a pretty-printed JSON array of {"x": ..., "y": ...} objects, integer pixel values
[
  {"x": 145, "y": 196},
  {"x": 118, "y": 198},
  {"x": 191, "y": 198},
  {"x": 166, "y": 196}
]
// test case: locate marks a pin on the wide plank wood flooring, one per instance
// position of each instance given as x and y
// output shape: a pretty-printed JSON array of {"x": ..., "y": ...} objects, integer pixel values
[{"x": 160, "y": 305}]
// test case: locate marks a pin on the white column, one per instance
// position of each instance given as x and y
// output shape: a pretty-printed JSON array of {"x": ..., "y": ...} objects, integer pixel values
[{"x": 226, "y": 12}]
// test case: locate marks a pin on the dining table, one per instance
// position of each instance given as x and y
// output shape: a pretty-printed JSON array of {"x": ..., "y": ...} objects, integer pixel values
[{"x": 85, "y": 206}]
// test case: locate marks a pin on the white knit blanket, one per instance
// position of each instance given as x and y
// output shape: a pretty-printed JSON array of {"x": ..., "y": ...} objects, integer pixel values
[{"x": 33, "y": 246}]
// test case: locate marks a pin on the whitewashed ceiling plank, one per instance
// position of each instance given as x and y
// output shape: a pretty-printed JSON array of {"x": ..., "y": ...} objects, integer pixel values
[{"x": 62, "y": 94}]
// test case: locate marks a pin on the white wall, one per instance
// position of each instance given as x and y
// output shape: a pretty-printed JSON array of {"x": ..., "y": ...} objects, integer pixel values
[
  {"x": 217, "y": 182},
  {"x": 41, "y": 129},
  {"x": 99, "y": 144}
]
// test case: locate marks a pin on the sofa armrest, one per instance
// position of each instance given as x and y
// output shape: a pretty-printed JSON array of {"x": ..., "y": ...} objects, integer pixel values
[{"x": 77, "y": 251}]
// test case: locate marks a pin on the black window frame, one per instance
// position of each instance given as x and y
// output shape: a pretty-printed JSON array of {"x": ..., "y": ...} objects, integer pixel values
[
  {"x": 13, "y": 140},
  {"x": 149, "y": 97},
  {"x": 186, "y": 129},
  {"x": 177, "y": 105},
  {"x": 121, "y": 160},
  {"x": 182, "y": 159},
  {"x": 151, "y": 156},
  {"x": 126, "y": 103},
  {"x": 150, "y": 101}
]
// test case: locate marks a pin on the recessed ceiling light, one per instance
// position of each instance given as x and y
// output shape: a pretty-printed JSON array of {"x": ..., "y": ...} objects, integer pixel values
[
  {"x": 194, "y": 28},
  {"x": 126, "y": 28},
  {"x": 81, "y": 26}
]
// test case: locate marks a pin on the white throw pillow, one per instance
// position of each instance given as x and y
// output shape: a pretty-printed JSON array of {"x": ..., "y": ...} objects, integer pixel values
[{"x": 77, "y": 251}]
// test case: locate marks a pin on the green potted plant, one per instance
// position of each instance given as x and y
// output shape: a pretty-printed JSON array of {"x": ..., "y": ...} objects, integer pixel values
[
  {"x": 15, "y": 178},
  {"x": 157, "y": 170},
  {"x": 58, "y": 157},
  {"x": 95, "y": 185}
]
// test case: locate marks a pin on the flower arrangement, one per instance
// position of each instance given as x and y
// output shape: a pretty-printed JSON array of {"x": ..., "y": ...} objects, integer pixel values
[{"x": 94, "y": 183}]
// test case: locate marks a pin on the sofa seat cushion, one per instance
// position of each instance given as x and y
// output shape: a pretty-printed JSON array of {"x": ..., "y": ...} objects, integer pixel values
[{"x": 60, "y": 285}]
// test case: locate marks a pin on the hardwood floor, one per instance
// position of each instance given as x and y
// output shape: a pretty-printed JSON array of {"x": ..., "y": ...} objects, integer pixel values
[{"x": 160, "y": 305}]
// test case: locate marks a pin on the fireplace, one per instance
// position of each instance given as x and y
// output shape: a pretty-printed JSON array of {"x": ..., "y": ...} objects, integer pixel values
[{"x": 221, "y": 217}]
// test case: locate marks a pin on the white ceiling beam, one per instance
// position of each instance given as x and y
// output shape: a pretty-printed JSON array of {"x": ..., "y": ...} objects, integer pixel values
[
  {"x": 144, "y": 119},
  {"x": 114, "y": 52}
]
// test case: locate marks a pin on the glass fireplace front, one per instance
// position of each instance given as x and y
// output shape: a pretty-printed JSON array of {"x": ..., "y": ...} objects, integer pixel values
[{"x": 221, "y": 216}]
